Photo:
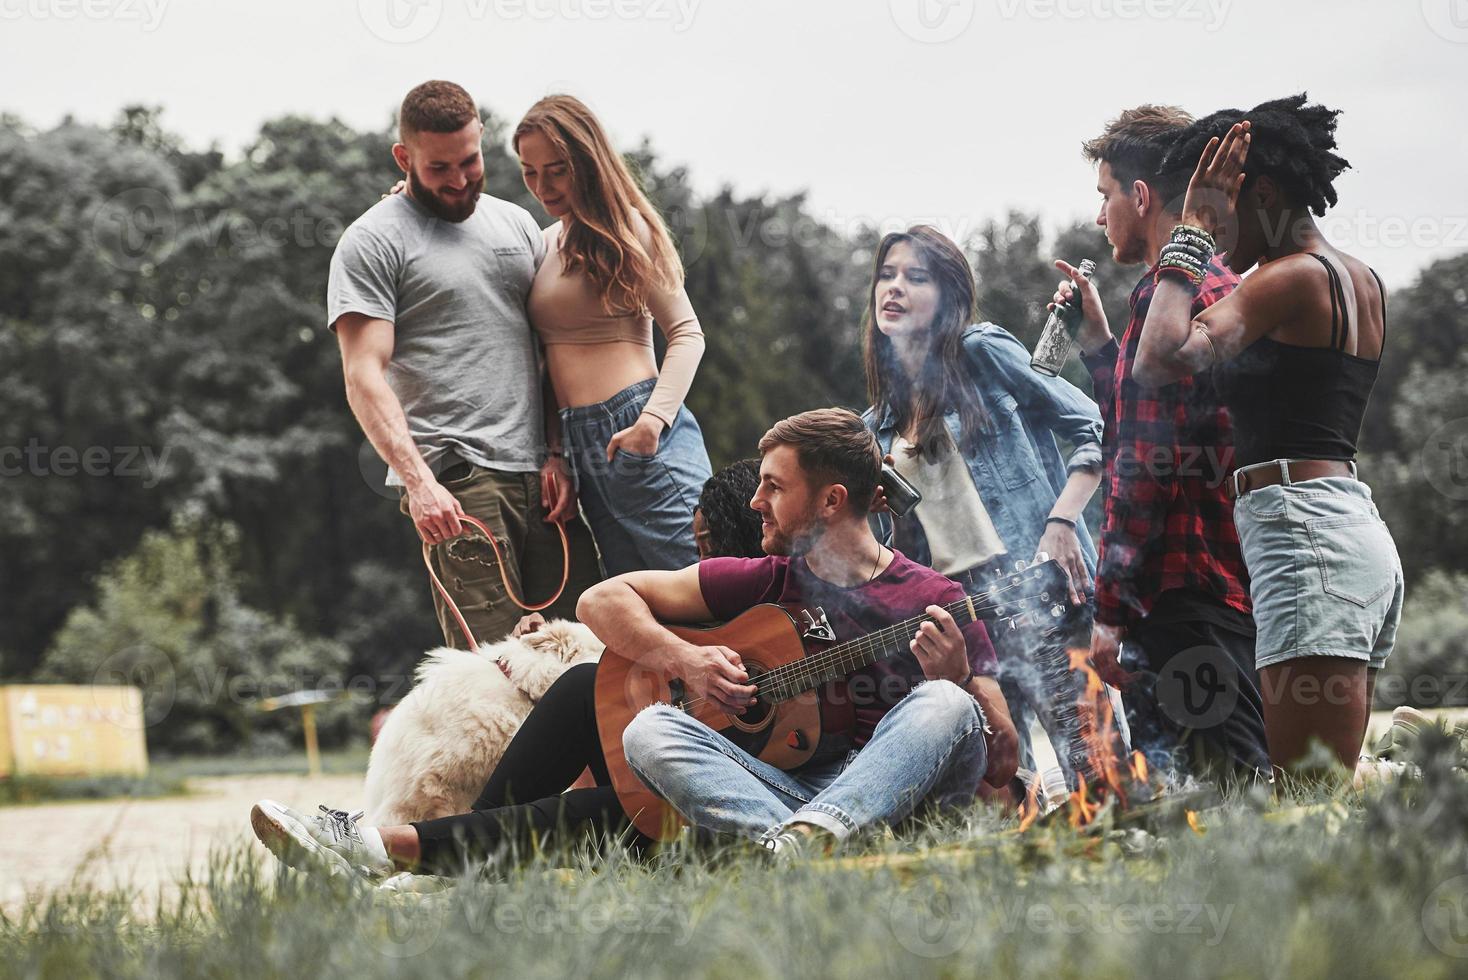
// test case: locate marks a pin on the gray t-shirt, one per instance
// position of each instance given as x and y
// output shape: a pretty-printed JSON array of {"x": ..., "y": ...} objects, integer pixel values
[{"x": 464, "y": 363}]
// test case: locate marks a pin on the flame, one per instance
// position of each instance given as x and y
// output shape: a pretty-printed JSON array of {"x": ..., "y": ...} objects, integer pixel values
[
  {"x": 1193, "y": 822},
  {"x": 1082, "y": 811},
  {"x": 1106, "y": 774},
  {"x": 1029, "y": 810}
]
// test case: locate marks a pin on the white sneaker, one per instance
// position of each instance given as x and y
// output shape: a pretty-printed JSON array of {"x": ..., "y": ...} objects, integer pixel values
[{"x": 330, "y": 841}]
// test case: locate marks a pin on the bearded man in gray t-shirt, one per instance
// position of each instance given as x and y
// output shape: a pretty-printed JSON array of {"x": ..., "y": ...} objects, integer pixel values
[{"x": 427, "y": 298}]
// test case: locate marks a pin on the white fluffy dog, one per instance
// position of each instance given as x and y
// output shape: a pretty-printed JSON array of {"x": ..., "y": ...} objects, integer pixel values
[{"x": 439, "y": 746}]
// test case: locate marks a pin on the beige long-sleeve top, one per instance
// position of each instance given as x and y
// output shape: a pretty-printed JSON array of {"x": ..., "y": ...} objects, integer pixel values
[
  {"x": 953, "y": 516},
  {"x": 568, "y": 310}
]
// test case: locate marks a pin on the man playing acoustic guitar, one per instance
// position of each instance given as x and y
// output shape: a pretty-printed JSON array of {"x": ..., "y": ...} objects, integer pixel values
[
  {"x": 917, "y": 731},
  {"x": 925, "y": 726}
]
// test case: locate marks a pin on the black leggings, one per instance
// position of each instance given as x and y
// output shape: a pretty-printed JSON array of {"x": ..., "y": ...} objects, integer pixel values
[{"x": 557, "y": 741}]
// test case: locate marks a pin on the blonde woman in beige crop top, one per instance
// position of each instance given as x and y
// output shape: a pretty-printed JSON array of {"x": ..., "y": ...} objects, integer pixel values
[{"x": 610, "y": 273}]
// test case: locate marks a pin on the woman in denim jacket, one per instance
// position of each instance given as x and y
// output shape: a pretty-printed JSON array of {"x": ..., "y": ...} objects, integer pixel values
[{"x": 964, "y": 418}]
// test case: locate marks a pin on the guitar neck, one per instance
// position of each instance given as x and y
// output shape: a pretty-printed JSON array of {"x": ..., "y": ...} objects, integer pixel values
[{"x": 836, "y": 662}]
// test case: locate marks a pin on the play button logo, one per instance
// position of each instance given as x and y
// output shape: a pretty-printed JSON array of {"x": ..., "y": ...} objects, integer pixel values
[{"x": 400, "y": 21}]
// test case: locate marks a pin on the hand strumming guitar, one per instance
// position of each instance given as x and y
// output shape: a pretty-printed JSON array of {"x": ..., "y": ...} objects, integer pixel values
[{"x": 717, "y": 673}]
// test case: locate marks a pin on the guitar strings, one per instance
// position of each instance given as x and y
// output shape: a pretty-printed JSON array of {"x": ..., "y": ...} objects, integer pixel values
[
  {"x": 860, "y": 648},
  {"x": 865, "y": 645}
]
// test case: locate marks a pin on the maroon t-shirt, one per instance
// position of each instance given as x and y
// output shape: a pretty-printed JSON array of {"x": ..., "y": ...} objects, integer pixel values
[{"x": 731, "y": 586}]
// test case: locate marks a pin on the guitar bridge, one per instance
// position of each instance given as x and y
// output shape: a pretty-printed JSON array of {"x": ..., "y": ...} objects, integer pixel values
[{"x": 678, "y": 694}]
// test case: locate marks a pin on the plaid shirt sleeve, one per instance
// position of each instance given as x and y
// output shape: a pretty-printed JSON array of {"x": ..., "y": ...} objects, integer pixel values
[{"x": 1158, "y": 531}]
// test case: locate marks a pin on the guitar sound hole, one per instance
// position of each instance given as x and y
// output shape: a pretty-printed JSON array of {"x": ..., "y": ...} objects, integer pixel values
[{"x": 756, "y": 715}]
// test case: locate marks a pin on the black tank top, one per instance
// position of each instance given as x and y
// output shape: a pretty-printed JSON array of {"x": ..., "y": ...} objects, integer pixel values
[{"x": 1294, "y": 402}]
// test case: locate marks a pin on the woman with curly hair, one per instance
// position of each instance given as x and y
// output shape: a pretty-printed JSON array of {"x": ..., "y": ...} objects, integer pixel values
[
  {"x": 1294, "y": 352},
  {"x": 611, "y": 271}
]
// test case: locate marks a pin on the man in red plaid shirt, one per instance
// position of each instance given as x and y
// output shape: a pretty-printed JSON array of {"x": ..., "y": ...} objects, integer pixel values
[{"x": 1171, "y": 581}]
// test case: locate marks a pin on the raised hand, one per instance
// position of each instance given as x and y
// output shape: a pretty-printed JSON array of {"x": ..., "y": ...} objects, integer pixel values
[
  {"x": 1095, "y": 331},
  {"x": 1213, "y": 191},
  {"x": 879, "y": 500}
]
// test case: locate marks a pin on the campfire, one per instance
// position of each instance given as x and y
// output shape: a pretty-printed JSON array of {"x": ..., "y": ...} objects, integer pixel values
[{"x": 1113, "y": 789}]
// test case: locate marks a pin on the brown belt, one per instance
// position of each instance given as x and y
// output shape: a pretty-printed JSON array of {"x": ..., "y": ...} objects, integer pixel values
[{"x": 1285, "y": 471}]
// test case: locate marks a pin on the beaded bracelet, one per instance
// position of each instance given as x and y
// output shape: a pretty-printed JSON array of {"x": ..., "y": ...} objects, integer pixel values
[
  {"x": 1172, "y": 256},
  {"x": 1176, "y": 256},
  {"x": 1194, "y": 231},
  {"x": 1182, "y": 235},
  {"x": 1201, "y": 251},
  {"x": 1193, "y": 277}
]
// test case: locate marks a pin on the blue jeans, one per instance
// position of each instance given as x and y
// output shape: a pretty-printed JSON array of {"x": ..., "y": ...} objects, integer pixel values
[
  {"x": 928, "y": 749},
  {"x": 640, "y": 508},
  {"x": 1324, "y": 573}
]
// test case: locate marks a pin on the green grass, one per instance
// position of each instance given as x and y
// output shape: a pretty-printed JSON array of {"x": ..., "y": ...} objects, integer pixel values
[
  {"x": 170, "y": 777},
  {"x": 335, "y": 762},
  {"x": 1324, "y": 884},
  {"x": 45, "y": 789}
]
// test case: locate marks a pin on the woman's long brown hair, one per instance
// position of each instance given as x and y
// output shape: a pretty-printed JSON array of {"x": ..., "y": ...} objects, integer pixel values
[
  {"x": 943, "y": 383},
  {"x": 601, "y": 238}
]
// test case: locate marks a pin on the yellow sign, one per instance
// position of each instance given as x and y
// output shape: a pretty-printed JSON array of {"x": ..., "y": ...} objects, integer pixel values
[{"x": 71, "y": 730}]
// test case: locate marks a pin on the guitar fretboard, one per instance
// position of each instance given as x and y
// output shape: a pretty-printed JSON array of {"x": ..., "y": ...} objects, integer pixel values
[{"x": 836, "y": 662}]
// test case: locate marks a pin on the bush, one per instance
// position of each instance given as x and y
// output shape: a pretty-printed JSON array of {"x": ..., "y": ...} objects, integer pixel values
[
  {"x": 168, "y": 619},
  {"x": 1427, "y": 668}
]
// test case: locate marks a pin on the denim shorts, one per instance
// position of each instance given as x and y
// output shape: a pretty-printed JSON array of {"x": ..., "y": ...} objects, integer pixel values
[
  {"x": 1324, "y": 573},
  {"x": 640, "y": 508}
]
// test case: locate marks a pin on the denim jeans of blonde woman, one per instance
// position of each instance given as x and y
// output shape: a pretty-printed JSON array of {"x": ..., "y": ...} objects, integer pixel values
[
  {"x": 1324, "y": 573},
  {"x": 640, "y": 508}
]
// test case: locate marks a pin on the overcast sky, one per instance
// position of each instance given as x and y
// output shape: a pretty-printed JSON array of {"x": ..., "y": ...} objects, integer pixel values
[{"x": 888, "y": 111}]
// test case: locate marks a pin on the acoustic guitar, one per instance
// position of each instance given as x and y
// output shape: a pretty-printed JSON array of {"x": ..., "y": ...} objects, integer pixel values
[{"x": 791, "y": 655}]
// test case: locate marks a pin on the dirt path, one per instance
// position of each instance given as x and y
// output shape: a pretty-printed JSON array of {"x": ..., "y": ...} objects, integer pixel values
[{"x": 145, "y": 844}]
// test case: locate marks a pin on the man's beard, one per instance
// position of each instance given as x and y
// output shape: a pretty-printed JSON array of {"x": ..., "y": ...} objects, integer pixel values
[
  {"x": 436, "y": 204},
  {"x": 794, "y": 542}
]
